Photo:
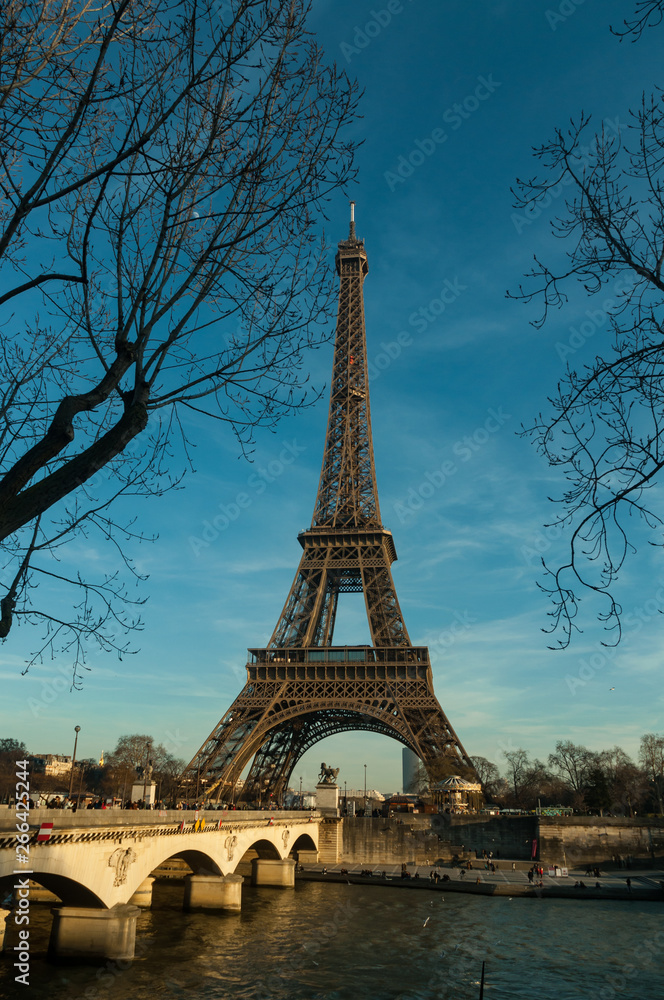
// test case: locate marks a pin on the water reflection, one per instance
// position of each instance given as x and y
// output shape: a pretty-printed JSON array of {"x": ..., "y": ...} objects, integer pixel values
[{"x": 338, "y": 942}]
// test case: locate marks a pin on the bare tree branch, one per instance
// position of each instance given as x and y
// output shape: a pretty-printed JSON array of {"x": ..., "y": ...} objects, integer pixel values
[
  {"x": 163, "y": 167},
  {"x": 647, "y": 14},
  {"x": 605, "y": 430}
]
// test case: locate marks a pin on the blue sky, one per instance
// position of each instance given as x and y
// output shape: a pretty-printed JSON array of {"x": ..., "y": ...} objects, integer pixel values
[{"x": 456, "y": 369}]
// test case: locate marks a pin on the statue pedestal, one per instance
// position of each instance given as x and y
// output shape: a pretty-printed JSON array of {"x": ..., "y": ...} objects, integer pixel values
[{"x": 327, "y": 799}]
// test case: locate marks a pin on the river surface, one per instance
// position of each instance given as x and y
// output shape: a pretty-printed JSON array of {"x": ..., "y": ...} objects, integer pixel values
[{"x": 344, "y": 942}]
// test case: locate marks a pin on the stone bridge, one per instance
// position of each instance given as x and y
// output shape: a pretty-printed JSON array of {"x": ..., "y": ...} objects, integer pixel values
[{"x": 99, "y": 864}]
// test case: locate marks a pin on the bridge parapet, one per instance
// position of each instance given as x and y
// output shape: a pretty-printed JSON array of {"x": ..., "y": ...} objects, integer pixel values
[
  {"x": 121, "y": 825},
  {"x": 89, "y": 818}
]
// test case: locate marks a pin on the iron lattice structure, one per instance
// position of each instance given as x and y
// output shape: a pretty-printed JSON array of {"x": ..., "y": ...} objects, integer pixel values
[{"x": 301, "y": 688}]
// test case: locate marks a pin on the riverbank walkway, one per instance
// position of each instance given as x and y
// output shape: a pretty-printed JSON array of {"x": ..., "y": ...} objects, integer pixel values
[{"x": 505, "y": 881}]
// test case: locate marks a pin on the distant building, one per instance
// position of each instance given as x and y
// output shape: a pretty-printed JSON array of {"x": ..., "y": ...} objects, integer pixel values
[
  {"x": 358, "y": 793},
  {"x": 406, "y": 803},
  {"x": 410, "y": 770},
  {"x": 354, "y": 797},
  {"x": 53, "y": 764},
  {"x": 292, "y": 799}
]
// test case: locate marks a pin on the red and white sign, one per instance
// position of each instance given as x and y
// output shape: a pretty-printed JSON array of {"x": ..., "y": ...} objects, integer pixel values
[{"x": 45, "y": 831}]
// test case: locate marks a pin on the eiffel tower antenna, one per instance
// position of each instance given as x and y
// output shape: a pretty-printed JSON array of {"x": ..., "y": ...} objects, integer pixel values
[{"x": 301, "y": 688}]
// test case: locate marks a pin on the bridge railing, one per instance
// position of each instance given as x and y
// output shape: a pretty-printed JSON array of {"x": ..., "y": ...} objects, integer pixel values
[{"x": 67, "y": 819}]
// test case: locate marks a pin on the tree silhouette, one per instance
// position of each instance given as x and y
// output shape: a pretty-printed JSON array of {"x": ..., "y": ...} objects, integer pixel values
[
  {"x": 605, "y": 425},
  {"x": 163, "y": 168}
]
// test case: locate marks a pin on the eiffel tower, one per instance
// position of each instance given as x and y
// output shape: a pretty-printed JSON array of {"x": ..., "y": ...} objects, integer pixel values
[{"x": 302, "y": 688}]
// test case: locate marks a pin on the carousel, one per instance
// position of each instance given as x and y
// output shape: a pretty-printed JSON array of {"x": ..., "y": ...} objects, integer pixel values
[{"x": 456, "y": 795}]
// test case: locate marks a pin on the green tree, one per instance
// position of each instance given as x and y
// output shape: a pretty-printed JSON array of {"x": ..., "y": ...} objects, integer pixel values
[{"x": 163, "y": 168}]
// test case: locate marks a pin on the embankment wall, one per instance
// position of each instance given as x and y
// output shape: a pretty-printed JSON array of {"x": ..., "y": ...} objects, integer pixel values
[
  {"x": 374, "y": 841},
  {"x": 581, "y": 840},
  {"x": 566, "y": 841}
]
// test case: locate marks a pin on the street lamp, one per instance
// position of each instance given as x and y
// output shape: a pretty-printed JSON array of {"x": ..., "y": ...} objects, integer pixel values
[
  {"x": 77, "y": 730},
  {"x": 345, "y": 801},
  {"x": 80, "y": 787},
  {"x": 145, "y": 772},
  {"x": 124, "y": 787},
  {"x": 300, "y": 791},
  {"x": 365, "y": 789}
]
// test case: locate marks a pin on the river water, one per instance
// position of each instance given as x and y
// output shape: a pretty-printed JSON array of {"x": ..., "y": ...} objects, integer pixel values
[{"x": 343, "y": 942}]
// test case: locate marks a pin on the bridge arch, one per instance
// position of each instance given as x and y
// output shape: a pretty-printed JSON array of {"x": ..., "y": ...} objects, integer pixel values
[
  {"x": 211, "y": 853},
  {"x": 264, "y": 849},
  {"x": 200, "y": 861},
  {"x": 71, "y": 891},
  {"x": 303, "y": 843}
]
